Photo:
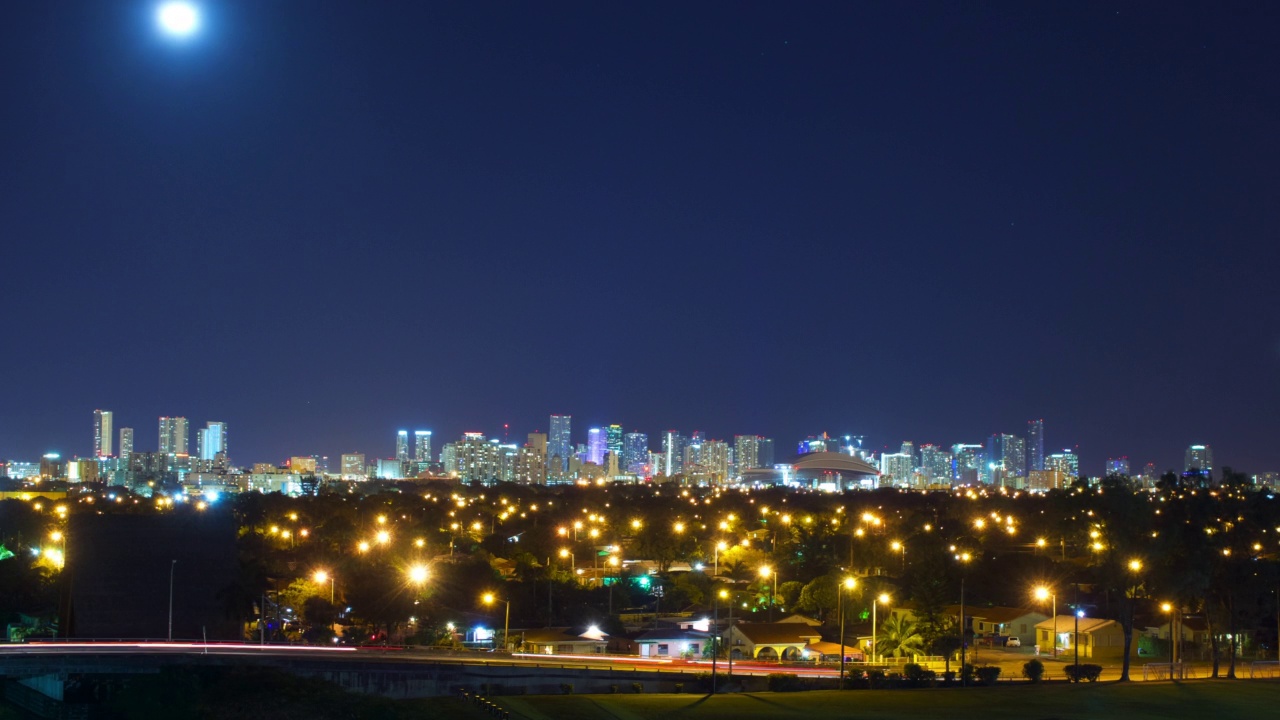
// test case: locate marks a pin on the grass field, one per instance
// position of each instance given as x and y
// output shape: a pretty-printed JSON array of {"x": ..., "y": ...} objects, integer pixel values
[{"x": 1202, "y": 700}]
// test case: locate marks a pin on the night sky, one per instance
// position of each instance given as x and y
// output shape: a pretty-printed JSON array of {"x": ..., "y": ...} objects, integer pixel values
[{"x": 321, "y": 222}]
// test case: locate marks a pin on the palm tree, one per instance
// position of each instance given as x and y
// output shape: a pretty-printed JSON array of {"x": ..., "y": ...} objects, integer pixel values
[{"x": 898, "y": 637}]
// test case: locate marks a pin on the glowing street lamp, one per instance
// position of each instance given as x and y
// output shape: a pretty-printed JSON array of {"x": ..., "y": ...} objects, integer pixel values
[
  {"x": 1042, "y": 594},
  {"x": 882, "y": 599},
  {"x": 489, "y": 599},
  {"x": 765, "y": 572},
  {"x": 322, "y": 577},
  {"x": 848, "y": 584},
  {"x": 900, "y": 547},
  {"x": 722, "y": 545},
  {"x": 418, "y": 574}
]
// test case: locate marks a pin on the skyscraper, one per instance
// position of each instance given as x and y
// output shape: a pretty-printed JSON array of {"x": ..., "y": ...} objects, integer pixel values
[
  {"x": 965, "y": 460},
  {"x": 1199, "y": 459},
  {"x": 1035, "y": 444},
  {"x": 672, "y": 453},
  {"x": 936, "y": 463},
  {"x": 613, "y": 439},
  {"x": 102, "y": 433},
  {"x": 596, "y": 446},
  {"x": 1118, "y": 466},
  {"x": 559, "y": 441},
  {"x": 1007, "y": 458},
  {"x": 402, "y": 446},
  {"x": 764, "y": 452},
  {"x": 126, "y": 443},
  {"x": 895, "y": 469},
  {"x": 746, "y": 452},
  {"x": 714, "y": 458},
  {"x": 211, "y": 440},
  {"x": 422, "y": 445},
  {"x": 174, "y": 438},
  {"x": 635, "y": 452},
  {"x": 1066, "y": 462}
]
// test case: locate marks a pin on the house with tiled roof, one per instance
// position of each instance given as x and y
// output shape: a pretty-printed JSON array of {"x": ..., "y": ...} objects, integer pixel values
[
  {"x": 1097, "y": 638},
  {"x": 770, "y": 641}
]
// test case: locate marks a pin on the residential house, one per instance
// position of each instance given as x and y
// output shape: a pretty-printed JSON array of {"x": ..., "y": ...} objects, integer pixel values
[
  {"x": 1098, "y": 638},
  {"x": 562, "y": 641},
  {"x": 770, "y": 641}
]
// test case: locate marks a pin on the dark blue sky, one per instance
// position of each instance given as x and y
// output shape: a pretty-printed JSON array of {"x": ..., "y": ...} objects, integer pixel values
[{"x": 323, "y": 221}]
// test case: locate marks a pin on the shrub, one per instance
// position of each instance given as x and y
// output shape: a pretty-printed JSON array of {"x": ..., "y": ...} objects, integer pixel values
[
  {"x": 1079, "y": 673},
  {"x": 566, "y": 688},
  {"x": 703, "y": 681},
  {"x": 988, "y": 674},
  {"x": 784, "y": 682},
  {"x": 918, "y": 676},
  {"x": 966, "y": 674},
  {"x": 1033, "y": 670},
  {"x": 876, "y": 679},
  {"x": 679, "y": 687},
  {"x": 613, "y": 689},
  {"x": 637, "y": 687}
]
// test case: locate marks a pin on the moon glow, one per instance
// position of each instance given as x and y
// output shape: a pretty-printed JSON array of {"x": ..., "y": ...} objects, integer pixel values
[{"x": 178, "y": 18}]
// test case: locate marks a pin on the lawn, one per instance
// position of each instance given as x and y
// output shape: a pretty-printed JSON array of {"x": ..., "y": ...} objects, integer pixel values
[{"x": 1134, "y": 701}]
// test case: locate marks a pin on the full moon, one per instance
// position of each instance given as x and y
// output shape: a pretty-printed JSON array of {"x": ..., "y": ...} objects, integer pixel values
[{"x": 178, "y": 18}]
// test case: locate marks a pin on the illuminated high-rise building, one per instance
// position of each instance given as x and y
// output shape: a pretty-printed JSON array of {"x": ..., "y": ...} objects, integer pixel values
[
  {"x": 714, "y": 457},
  {"x": 422, "y": 445},
  {"x": 1035, "y": 445},
  {"x": 896, "y": 469},
  {"x": 1066, "y": 462},
  {"x": 126, "y": 444},
  {"x": 635, "y": 452},
  {"x": 353, "y": 467},
  {"x": 1199, "y": 459},
  {"x": 596, "y": 446},
  {"x": 174, "y": 438},
  {"x": 402, "y": 446},
  {"x": 1118, "y": 466},
  {"x": 211, "y": 441},
  {"x": 672, "y": 453},
  {"x": 965, "y": 460},
  {"x": 764, "y": 452},
  {"x": 613, "y": 439},
  {"x": 1006, "y": 459},
  {"x": 559, "y": 441},
  {"x": 102, "y": 433},
  {"x": 936, "y": 463},
  {"x": 746, "y": 453}
]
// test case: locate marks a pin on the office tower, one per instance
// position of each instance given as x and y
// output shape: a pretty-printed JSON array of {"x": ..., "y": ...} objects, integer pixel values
[
  {"x": 531, "y": 466},
  {"x": 691, "y": 463},
  {"x": 1035, "y": 444},
  {"x": 174, "y": 439},
  {"x": 1066, "y": 462},
  {"x": 477, "y": 458},
  {"x": 635, "y": 452},
  {"x": 1006, "y": 457},
  {"x": 714, "y": 458},
  {"x": 965, "y": 460},
  {"x": 596, "y": 446},
  {"x": 764, "y": 452},
  {"x": 936, "y": 463},
  {"x": 672, "y": 453},
  {"x": 422, "y": 445},
  {"x": 390, "y": 468},
  {"x": 909, "y": 449},
  {"x": 1118, "y": 466},
  {"x": 559, "y": 441},
  {"x": 613, "y": 439},
  {"x": 896, "y": 469},
  {"x": 211, "y": 440},
  {"x": 746, "y": 452},
  {"x": 353, "y": 467},
  {"x": 402, "y": 446},
  {"x": 1199, "y": 460},
  {"x": 449, "y": 459},
  {"x": 102, "y": 433},
  {"x": 126, "y": 444}
]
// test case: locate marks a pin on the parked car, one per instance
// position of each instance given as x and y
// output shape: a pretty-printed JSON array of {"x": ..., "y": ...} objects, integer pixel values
[{"x": 1012, "y": 641}]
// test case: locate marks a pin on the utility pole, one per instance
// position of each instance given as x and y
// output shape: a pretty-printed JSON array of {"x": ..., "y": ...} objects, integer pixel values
[{"x": 172, "y": 564}]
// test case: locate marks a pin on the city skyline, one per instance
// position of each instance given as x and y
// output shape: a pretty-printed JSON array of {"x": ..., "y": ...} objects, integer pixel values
[
  {"x": 926, "y": 222},
  {"x": 996, "y": 449}
]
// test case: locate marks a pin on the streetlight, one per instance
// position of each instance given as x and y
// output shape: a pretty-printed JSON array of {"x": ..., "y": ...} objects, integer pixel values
[
  {"x": 489, "y": 599},
  {"x": 964, "y": 558},
  {"x": 900, "y": 547},
  {"x": 724, "y": 595},
  {"x": 573, "y": 562},
  {"x": 1168, "y": 607},
  {"x": 883, "y": 599},
  {"x": 172, "y": 564},
  {"x": 848, "y": 584},
  {"x": 322, "y": 577},
  {"x": 765, "y": 572},
  {"x": 418, "y": 574},
  {"x": 1043, "y": 593},
  {"x": 722, "y": 545}
]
